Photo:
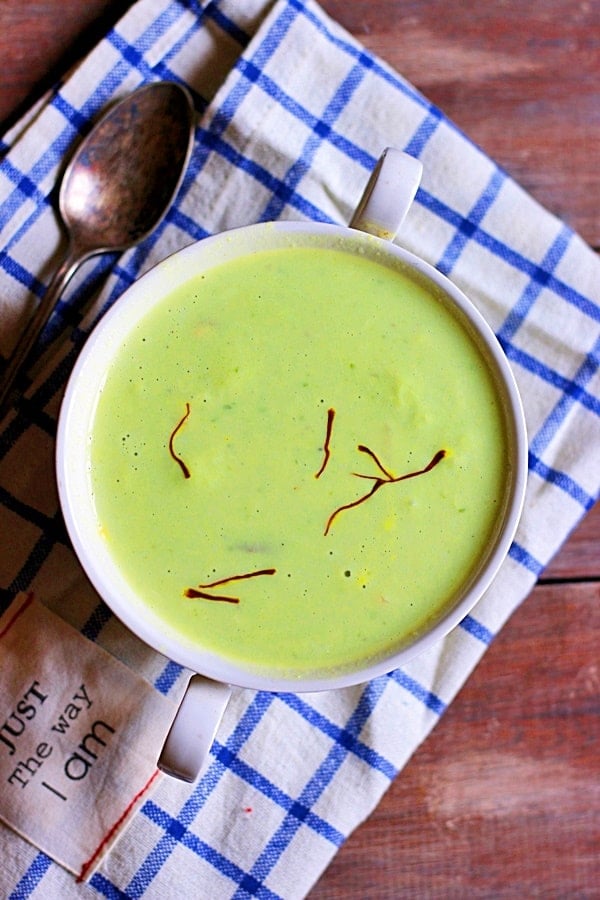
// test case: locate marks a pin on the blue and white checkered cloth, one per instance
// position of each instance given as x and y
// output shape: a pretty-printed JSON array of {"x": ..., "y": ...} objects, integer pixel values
[{"x": 292, "y": 115}]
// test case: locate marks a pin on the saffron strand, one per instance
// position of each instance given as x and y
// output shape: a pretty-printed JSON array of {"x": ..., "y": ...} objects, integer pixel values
[
  {"x": 378, "y": 481},
  {"x": 326, "y": 450},
  {"x": 212, "y": 584},
  {"x": 201, "y": 592},
  {"x": 194, "y": 594},
  {"x": 178, "y": 459}
]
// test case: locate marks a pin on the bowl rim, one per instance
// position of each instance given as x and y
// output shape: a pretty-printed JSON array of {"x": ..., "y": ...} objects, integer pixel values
[{"x": 78, "y": 407}]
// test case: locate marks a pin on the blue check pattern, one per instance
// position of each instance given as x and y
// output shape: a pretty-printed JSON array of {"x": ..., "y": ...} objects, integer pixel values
[{"x": 292, "y": 115}]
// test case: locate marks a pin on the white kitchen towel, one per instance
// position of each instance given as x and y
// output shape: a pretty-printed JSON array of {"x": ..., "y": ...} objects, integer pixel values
[{"x": 292, "y": 115}]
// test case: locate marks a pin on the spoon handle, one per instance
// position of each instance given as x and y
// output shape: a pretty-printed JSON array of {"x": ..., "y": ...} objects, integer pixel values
[{"x": 73, "y": 259}]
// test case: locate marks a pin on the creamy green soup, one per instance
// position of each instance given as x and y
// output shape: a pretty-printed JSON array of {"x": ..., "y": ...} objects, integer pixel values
[{"x": 298, "y": 459}]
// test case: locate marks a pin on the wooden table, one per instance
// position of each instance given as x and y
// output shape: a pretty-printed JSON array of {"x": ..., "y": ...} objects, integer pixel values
[{"x": 502, "y": 800}]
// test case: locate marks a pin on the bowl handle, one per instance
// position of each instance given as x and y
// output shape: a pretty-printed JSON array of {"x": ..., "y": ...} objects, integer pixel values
[
  {"x": 388, "y": 195},
  {"x": 187, "y": 745}
]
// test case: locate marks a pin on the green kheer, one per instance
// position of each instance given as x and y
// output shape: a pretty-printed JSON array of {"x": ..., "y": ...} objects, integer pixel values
[{"x": 248, "y": 453}]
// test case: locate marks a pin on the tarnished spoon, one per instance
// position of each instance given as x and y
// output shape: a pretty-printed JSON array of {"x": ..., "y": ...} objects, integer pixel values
[{"x": 115, "y": 191}]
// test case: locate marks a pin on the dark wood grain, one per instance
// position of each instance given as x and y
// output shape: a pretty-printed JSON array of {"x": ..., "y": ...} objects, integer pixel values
[
  {"x": 579, "y": 557},
  {"x": 40, "y": 41},
  {"x": 502, "y": 800}
]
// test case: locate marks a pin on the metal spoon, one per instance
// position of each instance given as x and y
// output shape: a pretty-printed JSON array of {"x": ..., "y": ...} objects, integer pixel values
[{"x": 115, "y": 191}]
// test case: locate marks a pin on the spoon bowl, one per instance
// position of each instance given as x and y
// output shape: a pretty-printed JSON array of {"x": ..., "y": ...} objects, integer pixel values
[
  {"x": 115, "y": 191},
  {"x": 123, "y": 178}
]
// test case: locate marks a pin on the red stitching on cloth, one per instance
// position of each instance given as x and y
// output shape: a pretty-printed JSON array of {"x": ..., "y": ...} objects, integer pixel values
[
  {"x": 86, "y": 866},
  {"x": 27, "y": 602}
]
